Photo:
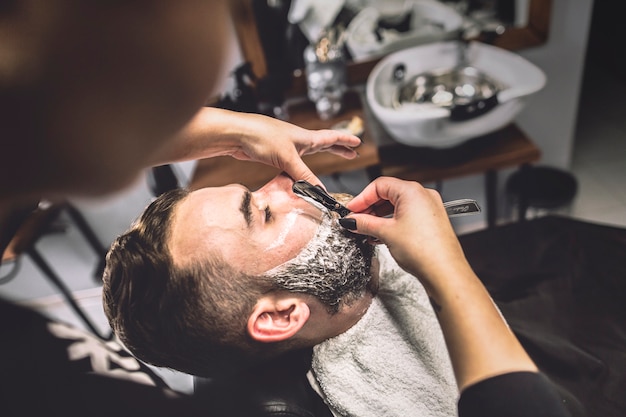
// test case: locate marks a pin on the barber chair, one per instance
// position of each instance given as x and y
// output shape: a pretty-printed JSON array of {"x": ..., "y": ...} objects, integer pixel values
[
  {"x": 161, "y": 179},
  {"x": 278, "y": 388},
  {"x": 22, "y": 229},
  {"x": 560, "y": 283}
]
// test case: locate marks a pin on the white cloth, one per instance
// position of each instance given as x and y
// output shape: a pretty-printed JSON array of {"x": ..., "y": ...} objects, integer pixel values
[
  {"x": 313, "y": 16},
  {"x": 394, "y": 361}
]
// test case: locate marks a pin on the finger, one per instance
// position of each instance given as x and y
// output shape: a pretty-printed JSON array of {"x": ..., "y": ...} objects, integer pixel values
[
  {"x": 326, "y": 139},
  {"x": 298, "y": 170},
  {"x": 373, "y": 194},
  {"x": 342, "y": 139},
  {"x": 342, "y": 151}
]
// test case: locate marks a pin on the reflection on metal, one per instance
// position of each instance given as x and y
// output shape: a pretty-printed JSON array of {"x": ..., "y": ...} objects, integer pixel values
[{"x": 459, "y": 86}]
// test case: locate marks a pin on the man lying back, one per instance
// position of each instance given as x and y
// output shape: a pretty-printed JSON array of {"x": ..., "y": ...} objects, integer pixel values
[
  {"x": 210, "y": 281},
  {"x": 219, "y": 279}
]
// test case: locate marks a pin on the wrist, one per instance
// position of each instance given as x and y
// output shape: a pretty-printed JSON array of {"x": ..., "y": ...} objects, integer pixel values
[
  {"x": 226, "y": 129},
  {"x": 445, "y": 280},
  {"x": 215, "y": 132}
]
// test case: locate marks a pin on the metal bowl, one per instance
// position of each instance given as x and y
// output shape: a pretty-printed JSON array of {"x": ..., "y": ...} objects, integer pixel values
[{"x": 459, "y": 86}]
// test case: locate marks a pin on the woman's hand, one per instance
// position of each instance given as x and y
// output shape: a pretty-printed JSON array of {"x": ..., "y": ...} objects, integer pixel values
[
  {"x": 417, "y": 230},
  {"x": 281, "y": 144},
  {"x": 253, "y": 137},
  {"x": 421, "y": 239}
]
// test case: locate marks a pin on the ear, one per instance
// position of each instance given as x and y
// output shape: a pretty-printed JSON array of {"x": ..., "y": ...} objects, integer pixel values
[{"x": 277, "y": 319}]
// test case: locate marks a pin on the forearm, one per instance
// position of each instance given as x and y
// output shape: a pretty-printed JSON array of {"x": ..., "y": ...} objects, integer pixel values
[
  {"x": 254, "y": 137},
  {"x": 211, "y": 132},
  {"x": 423, "y": 242},
  {"x": 480, "y": 343}
]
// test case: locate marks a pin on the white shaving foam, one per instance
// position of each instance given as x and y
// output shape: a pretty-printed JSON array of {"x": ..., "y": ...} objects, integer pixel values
[
  {"x": 290, "y": 221},
  {"x": 307, "y": 254}
]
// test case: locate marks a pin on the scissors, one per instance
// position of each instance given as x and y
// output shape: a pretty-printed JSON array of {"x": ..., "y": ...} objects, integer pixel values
[{"x": 316, "y": 195}]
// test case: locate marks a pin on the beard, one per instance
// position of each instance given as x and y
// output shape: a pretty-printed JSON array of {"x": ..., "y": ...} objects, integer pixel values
[{"x": 335, "y": 267}]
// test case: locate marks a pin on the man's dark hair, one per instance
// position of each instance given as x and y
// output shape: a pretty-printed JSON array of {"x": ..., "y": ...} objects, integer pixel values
[{"x": 190, "y": 318}]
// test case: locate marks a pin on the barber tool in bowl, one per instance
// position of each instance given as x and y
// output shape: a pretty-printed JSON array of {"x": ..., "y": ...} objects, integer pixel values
[
  {"x": 317, "y": 196},
  {"x": 466, "y": 91},
  {"x": 442, "y": 94}
]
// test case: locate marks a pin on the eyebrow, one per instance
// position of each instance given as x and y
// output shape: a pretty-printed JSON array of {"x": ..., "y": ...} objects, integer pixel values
[{"x": 245, "y": 209}]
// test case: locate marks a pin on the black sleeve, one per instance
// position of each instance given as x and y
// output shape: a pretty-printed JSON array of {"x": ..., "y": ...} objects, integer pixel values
[{"x": 516, "y": 394}]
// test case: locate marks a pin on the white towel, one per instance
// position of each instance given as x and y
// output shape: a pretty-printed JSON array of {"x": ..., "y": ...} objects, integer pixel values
[
  {"x": 394, "y": 361},
  {"x": 313, "y": 16}
]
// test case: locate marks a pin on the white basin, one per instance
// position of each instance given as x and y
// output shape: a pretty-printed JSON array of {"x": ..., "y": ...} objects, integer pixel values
[
  {"x": 430, "y": 21},
  {"x": 426, "y": 124}
]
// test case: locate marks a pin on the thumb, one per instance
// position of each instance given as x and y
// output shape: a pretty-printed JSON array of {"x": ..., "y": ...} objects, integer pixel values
[{"x": 298, "y": 170}]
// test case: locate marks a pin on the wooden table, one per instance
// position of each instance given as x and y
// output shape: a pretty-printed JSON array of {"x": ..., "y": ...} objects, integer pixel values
[{"x": 381, "y": 155}]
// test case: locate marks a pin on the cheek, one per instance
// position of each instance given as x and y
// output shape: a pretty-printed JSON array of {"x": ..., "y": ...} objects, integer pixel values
[
  {"x": 290, "y": 238},
  {"x": 244, "y": 254},
  {"x": 292, "y": 247},
  {"x": 287, "y": 231}
]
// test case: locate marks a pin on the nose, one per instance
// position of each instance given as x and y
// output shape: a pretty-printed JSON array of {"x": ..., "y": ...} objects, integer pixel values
[
  {"x": 279, "y": 194},
  {"x": 281, "y": 182}
]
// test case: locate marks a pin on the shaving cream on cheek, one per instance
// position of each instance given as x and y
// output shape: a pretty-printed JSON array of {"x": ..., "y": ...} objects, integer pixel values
[
  {"x": 290, "y": 221},
  {"x": 307, "y": 254}
]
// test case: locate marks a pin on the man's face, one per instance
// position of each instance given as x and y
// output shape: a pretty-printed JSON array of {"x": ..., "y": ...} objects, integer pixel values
[
  {"x": 254, "y": 231},
  {"x": 335, "y": 267},
  {"x": 273, "y": 231}
]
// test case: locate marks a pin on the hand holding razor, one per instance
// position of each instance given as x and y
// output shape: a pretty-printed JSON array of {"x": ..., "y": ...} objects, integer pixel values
[{"x": 316, "y": 195}]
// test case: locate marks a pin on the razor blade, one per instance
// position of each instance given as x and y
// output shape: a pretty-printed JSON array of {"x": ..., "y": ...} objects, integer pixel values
[{"x": 316, "y": 195}]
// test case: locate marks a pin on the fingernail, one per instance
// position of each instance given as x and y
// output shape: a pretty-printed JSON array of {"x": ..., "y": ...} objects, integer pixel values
[{"x": 347, "y": 223}]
